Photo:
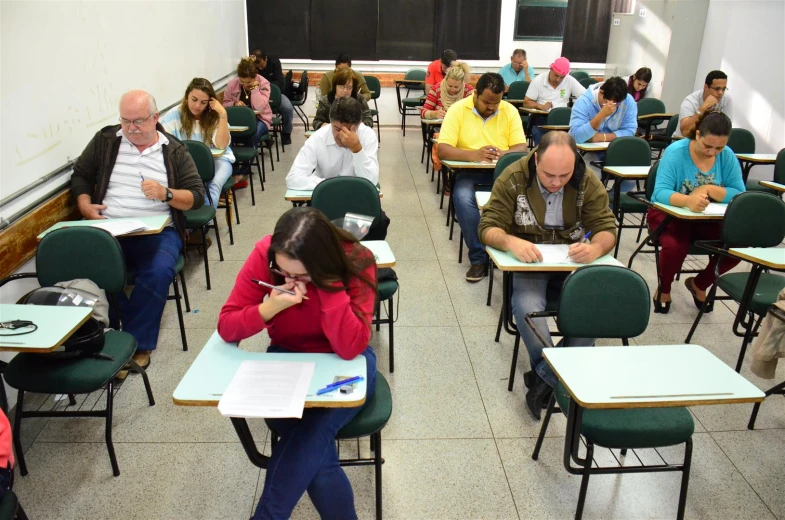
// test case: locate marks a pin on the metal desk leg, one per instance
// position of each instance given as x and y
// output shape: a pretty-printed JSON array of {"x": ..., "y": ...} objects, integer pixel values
[{"x": 246, "y": 439}]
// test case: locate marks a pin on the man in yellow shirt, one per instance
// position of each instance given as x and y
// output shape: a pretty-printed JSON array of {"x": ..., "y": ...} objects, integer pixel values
[{"x": 480, "y": 128}]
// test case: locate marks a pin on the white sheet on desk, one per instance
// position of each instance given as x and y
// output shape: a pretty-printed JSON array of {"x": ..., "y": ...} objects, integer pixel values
[
  {"x": 121, "y": 227},
  {"x": 554, "y": 253},
  {"x": 715, "y": 209}
]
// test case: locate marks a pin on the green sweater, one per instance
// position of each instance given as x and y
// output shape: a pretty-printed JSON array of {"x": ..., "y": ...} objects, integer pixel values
[{"x": 517, "y": 206}]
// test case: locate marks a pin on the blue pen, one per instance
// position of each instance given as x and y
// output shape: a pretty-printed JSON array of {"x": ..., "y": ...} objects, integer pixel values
[
  {"x": 338, "y": 384},
  {"x": 582, "y": 241},
  {"x": 142, "y": 176}
]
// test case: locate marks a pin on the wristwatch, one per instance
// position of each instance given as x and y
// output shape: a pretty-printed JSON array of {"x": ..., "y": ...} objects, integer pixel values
[{"x": 169, "y": 195}]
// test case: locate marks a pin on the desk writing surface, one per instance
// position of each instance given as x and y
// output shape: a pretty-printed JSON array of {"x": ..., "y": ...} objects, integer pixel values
[
  {"x": 213, "y": 369},
  {"x": 761, "y": 158},
  {"x": 506, "y": 261},
  {"x": 648, "y": 376},
  {"x": 628, "y": 172},
  {"x": 773, "y": 185},
  {"x": 482, "y": 198},
  {"x": 773, "y": 257},
  {"x": 381, "y": 251},
  {"x": 305, "y": 195},
  {"x": 413, "y": 81},
  {"x": 432, "y": 121},
  {"x": 217, "y": 152},
  {"x": 55, "y": 325},
  {"x": 470, "y": 165},
  {"x": 155, "y": 224},
  {"x": 309, "y": 133},
  {"x": 656, "y": 116},
  {"x": 534, "y": 111},
  {"x": 593, "y": 147},
  {"x": 237, "y": 128},
  {"x": 562, "y": 128},
  {"x": 686, "y": 214}
]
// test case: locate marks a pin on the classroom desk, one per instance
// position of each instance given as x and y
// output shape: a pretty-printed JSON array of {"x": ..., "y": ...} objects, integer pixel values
[
  {"x": 650, "y": 119},
  {"x": 302, "y": 197},
  {"x": 482, "y": 198},
  {"x": 623, "y": 173},
  {"x": 773, "y": 185},
  {"x": 449, "y": 175},
  {"x": 217, "y": 152},
  {"x": 309, "y": 133},
  {"x": 593, "y": 147},
  {"x": 748, "y": 160},
  {"x": 381, "y": 252},
  {"x": 213, "y": 369},
  {"x": 561, "y": 128},
  {"x": 770, "y": 257},
  {"x": 534, "y": 111},
  {"x": 237, "y": 128},
  {"x": 509, "y": 265},
  {"x": 55, "y": 325},
  {"x": 429, "y": 128},
  {"x": 156, "y": 225}
]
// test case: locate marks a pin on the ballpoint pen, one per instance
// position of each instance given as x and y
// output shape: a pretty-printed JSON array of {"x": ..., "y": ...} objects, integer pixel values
[
  {"x": 581, "y": 241},
  {"x": 338, "y": 384},
  {"x": 271, "y": 286}
]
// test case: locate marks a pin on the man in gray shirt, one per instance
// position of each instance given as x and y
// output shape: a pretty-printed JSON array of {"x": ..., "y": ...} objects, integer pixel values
[{"x": 713, "y": 98}]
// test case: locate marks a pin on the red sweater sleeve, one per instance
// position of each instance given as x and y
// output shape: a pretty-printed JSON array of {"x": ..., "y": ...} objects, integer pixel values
[
  {"x": 239, "y": 318},
  {"x": 348, "y": 334},
  {"x": 431, "y": 102}
]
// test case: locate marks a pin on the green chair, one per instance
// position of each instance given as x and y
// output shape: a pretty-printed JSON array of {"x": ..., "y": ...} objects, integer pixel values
[
  {"x": 661, "y": 139},
  {"x": 579, "y": 74},
  {"x": 627, "y": 151},
  {"x": 375, "y": 86},
  {"x": 277, "y": 130},
  {"x": 368, "y": 423},
  {"x": 742, "y": 141},
  {"x": 779, "y": 176},
  {"x": 298, "y": 104},
  {"x": 755, "y": 291},
  {"x": 559, "y": 116},
  {"x": 648, "y": 106},
  {"x": 335, "y": 198},
  {"x": 62, "y": 255},
  {"x": 200, "y": 218},
  {"x": 410, "y": 106},
  {"x": 587, "y": 82},
  {"x": 245, "y": 154},
  {"x": 620, "y": 310},
  {"x": 10, "y": 508},
  {"x": 518, "y": 90}
]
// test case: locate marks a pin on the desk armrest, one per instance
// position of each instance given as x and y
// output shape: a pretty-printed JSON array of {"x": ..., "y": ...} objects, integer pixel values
[
  {"x": 640, "y": 196},
  {"x": 17, "y": 276},
  {"x": 711, "y": 245},
  {"x": 530, "y": 322}
]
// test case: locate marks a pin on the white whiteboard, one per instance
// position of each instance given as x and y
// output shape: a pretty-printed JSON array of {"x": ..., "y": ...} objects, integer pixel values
[{"x": 65, "y": 65}]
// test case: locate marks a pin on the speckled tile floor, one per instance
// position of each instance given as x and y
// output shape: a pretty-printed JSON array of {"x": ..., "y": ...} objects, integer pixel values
[{"x": 458, "y": 445}]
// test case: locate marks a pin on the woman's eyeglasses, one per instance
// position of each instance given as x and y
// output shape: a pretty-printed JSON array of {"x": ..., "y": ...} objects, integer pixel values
[{"x": 296, "y": 278}]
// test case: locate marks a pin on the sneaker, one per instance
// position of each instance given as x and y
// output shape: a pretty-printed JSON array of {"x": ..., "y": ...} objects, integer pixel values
[
  {"x": 239, "y": 185},
  {"x": 476, "y": 273}
]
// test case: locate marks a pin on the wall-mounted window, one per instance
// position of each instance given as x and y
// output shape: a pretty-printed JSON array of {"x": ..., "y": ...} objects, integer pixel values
[{"x": 540, "y": 20}]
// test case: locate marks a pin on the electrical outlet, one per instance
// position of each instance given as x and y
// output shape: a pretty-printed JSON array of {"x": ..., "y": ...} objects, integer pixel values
[
  {"x": 642, "y": 13},
  {"x": 616, "y": 21}
]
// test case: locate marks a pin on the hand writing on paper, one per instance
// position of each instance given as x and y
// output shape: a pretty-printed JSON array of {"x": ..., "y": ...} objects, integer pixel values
[
  {"x": 486, "y": 154},
  {"x": 524, "y": 250},
  {"x": 697, "y": 201},
  {"x": 584, "y": 253}
]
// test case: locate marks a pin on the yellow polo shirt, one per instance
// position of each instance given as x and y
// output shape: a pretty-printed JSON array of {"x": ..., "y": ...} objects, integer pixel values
[{"x": 464, "y": 129}]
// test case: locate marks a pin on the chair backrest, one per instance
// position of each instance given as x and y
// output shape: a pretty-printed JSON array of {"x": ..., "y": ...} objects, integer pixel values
[
  {"x": 648, "y": 106},
  {"x": 754, "y": 219},
  {"x": 579, "y": 74},
  {"x": 587, "y": 82},
  {"x": 340, "y": 195},
  {"x": 203, "y": 158},
  {"x": 672, "y": 125},
  {"x": 518, "y": 90},
  {"x": 81, "y": 252},
  {"x": 304, "y": 85},
  {"x": 415, "y": 74},
  {"x": 741, "y": 140},
  {"x": 505, "y": 161},
  {"x": 619, "y": 308},
  {"x": 374, "y": 85},
  {"x": 628, "y": 151},
  {"x": 651, "y": 180},
  {"x": 779, "y": 167},
  {"x": 241, "y": 116},
  {"x": 275, "y": 97},
  {"x": 559, "y": 116}
]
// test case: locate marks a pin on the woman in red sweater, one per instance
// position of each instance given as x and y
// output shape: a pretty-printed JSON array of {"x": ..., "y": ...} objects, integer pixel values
[{"x": 308, "y": 255}]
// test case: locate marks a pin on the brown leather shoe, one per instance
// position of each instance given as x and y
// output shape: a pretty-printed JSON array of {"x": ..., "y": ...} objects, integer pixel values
[
  {"x": 142, "y": 358},
  {"x": 476, "y": 273}
]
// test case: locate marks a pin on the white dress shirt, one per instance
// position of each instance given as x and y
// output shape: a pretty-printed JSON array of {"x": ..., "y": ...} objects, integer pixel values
[{"x": 321, "y": 158}]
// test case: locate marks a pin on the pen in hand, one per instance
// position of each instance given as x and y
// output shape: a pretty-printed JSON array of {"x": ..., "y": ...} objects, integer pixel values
[
  {"x": 271, "y": 286},
  {"x": 581, "y": 241}
]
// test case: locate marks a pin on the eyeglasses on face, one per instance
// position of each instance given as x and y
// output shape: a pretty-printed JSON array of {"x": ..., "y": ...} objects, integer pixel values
[
  {"x": 135, "y": 122},
  {"x": 283, "y": 274}
]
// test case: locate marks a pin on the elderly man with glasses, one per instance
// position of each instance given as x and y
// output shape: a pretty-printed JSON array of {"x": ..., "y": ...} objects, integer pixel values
[
  {"x": 713, "y": 97},
  {"x": 135, "y": 169}
]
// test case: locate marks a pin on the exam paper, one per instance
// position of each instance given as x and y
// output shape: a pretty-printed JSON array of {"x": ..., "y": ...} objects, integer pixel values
[
  {"x": 121, "y": 227},
  {"x": 267, "y": 389},
  {"x": 554, "y": 253},
  {"x": 715, "y": 209}
]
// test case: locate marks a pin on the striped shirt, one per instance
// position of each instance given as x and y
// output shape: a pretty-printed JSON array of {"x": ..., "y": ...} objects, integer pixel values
[
  {"x": 124, "y": 197},
  {"x": 434, "y": 100}
]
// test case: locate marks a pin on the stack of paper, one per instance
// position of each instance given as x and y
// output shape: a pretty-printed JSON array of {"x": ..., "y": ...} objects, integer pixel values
[
  {"x": 267, "y": 389},
  {"x": 554, "y": 253},
  {"x": 715, "y": 209},
  {"x": 121, "y": 226}
]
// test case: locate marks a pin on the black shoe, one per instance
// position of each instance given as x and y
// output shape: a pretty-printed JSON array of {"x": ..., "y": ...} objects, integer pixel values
[
  {"x": 527, "y": 378},
  {"x": 286, "y": 138},
  {"x": 660, "y": 307},
  {"x": 690, "y": 284},
  {"x": 537, "y": 396},
  {"x": 476, "y": 273}
]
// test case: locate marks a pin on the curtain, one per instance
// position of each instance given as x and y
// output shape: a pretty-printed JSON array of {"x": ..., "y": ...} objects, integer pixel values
[
  {"x": 586, "y": 31},
  {"x": 347, "y": 26},
  {"x": 278, "y": 27},
  {"x": 406, "y": 30},
  {"x": 469, "y": 27}
]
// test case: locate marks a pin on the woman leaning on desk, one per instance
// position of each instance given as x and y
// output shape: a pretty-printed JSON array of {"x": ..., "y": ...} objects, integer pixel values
[
  {"x": 343, "y": 85},
  {"x": 692, "y": 173},
  {"x": 308, "y": 255}
]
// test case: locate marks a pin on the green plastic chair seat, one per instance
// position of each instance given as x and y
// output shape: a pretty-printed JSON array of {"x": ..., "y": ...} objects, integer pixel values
[
  {"x": 374, "y": 414},
  {"x": 297, "y": 102},
  {"x": 245, "y": 153},
  {"x": 769, "y": 286},
  {"x": 633, "y": 428},
  {"x": 387, "y": 289},
  {"x": 411, "y": 102},
  {"x": 228, "y": 185},
  {"x": 196, "y": 218},
  {"x": 630, "y": 205},
  {"x": 374, "y": 112},
  {"x": 754, "y": 185},
  {"x": 42, "y": 374}
]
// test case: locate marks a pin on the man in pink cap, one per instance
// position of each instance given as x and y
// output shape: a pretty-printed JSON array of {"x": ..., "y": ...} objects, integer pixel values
[{"x": 548, "y": 91}]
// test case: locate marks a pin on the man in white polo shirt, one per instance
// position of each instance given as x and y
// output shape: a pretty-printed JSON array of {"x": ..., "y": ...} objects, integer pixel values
[
  {"x": 713, "y": 97},
  {"x": 136, "y": 169},
  {"x": 549, "y": 91}
]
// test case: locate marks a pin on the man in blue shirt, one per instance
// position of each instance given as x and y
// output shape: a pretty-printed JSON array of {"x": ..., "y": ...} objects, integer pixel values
[
  {"x": 517, "y": 70},
  {"x": 603, "y": 113}
]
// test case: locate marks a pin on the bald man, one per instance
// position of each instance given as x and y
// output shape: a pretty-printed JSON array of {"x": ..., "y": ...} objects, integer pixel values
[{"x": 135, "y": 169}]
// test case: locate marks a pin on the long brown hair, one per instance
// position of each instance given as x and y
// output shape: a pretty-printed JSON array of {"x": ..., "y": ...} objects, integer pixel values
[
  {"x": 209, "y": 119},
  {"x": 711, "y": 123},
  {"x": 342, "y": 77},
  {"x": 306, "y": 235}
]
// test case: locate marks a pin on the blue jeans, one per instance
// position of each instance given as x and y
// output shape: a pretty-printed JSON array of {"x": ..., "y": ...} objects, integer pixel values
[
  {"x": 536, "y": 131},
  {"x": 306, "y": 459},
  {"x": 150, "y": 259},
  {"x": 287, "y": 114},
  {"x": 468, "y": 214},
  {"x": 261, "y": 129},
  {"x": 529, "y": 295},
  {"x": 223, "y": 170}
]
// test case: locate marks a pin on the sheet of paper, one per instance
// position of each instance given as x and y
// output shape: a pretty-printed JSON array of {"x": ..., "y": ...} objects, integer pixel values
[
  {"x": 267, "y": 389},
  {"x": 715, "y": 209},
  {"x": 554, "y": 253},
  {"x": 121, "y": 227}
]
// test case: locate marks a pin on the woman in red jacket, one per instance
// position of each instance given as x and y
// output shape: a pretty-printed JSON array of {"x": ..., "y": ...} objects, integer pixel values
[{"x": 308, "y": 255}]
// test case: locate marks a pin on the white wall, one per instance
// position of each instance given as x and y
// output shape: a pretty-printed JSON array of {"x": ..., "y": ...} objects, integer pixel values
[{"x": 747, "y": 42}]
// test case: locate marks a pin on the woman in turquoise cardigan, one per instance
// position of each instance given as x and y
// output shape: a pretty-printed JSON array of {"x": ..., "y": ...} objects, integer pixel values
[{"x": 692, "y": 173}]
